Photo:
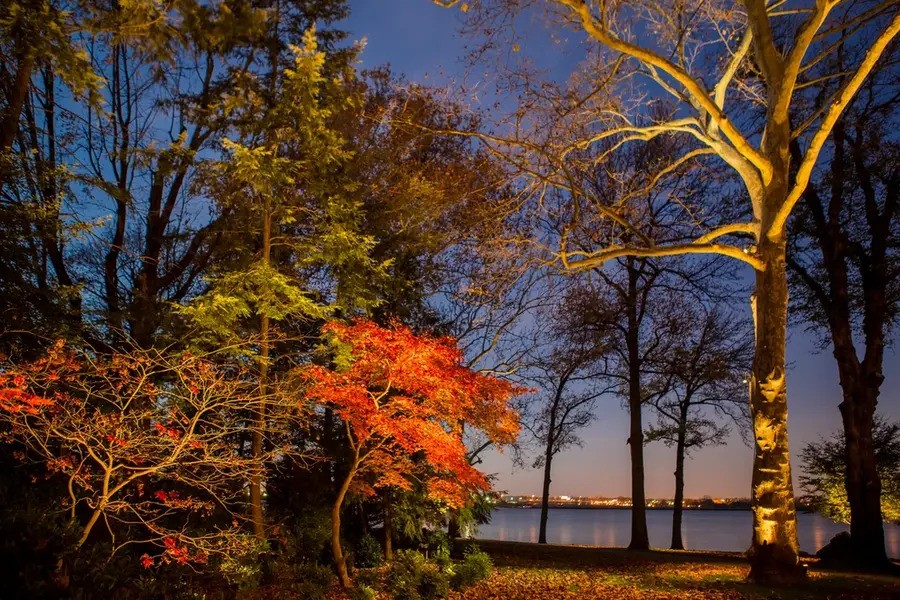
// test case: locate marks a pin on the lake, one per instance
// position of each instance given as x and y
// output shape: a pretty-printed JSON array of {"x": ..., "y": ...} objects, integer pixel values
[{"x": 727, "y": 530}]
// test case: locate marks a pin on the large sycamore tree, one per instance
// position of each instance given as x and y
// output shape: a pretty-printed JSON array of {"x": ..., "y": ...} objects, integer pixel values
[{"x": 717, "y": 63}]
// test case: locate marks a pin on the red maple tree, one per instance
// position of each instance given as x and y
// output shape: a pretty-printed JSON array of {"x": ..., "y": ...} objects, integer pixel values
[
  {"x": 145, "y": 441},
  {"x": 404, "y": 399}
]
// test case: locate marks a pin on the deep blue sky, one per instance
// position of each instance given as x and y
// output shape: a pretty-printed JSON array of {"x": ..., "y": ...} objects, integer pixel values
[{"x": 420, "y": 40}]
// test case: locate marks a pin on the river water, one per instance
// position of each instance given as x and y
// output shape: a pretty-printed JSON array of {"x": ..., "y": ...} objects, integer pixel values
[{"x": 728, "y": 530}]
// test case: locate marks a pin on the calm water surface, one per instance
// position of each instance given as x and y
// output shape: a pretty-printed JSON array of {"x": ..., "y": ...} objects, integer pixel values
[{"x": 727, "y": 530}]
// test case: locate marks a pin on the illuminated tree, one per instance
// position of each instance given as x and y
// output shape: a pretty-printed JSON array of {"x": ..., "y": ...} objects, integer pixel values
[
  {"x": 824, "y": 473},
  {"x": 290, "y": 172},
  {"x": 722, "y": 65},
  {"x": 145, "y": 442},
  {"x": 402, "y": 399}
]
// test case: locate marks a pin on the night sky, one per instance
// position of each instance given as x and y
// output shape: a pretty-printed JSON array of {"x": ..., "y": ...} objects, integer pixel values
[{"x": 420, "y": 40}]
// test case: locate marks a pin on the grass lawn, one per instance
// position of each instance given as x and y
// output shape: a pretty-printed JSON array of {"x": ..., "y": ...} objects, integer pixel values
[{"x": 547, "y": 572}]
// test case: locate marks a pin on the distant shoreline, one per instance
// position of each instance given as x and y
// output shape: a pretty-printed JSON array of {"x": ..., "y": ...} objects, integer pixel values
[{"x": 595, "y": 507}]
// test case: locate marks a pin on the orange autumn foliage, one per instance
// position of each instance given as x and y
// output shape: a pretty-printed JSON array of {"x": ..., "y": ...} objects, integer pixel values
[
  {"x": 144, "y": 442},
  {"x": 404, "y": 399}
]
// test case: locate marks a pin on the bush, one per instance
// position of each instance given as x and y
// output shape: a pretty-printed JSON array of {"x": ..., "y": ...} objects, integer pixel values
[
  {"x": 433, "y": 583},
  {"x": 403, "y": 578},
  {"x": 412, "y": 577},
  {"x": 297, "y": 564},
  {"x": 438, "y": 543},
  {"x": 308, "y": 537},
  {"x": 368, "y": 577},
  {"x": 362, "y": 592},
  {"x": 368, "y": 553},
  {"x": 312, "y": 581},
  {"x": 242, "y": 565},
  {"x": 475, "y": 566}
]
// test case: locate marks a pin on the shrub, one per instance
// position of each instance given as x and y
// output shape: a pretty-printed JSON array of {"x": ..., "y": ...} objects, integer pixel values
[
  {"x": 475, "y": 566},
  {"x": 403, "y": 578},
  {"x": 438, "y": 543},
  {"x": 308, "y": 537},
  {"x": 368, "y": 577},
  {"x": 242, "y": 565},
  {"x": 362, "y": 592},
  {"x": 433, "y": 583},
  {"x": 368, "y": 553},
  {"x": 312, "y": 581},
  {"x": 412, "y": 577}
]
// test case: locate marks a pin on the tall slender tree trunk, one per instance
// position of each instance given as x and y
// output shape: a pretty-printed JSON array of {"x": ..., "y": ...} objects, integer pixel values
[
  {"x": 388, "y": 529},
  {"x": 678, "y": 503},
  {"x": 640, "y": 539},
  {"x": 545, "y": 492},
  {"x": 774, "y": 553},
  {"x": 453, "y": 526},
  {"x": 256, "y": 443},
  {"x": 340, "y": 560},
  {"x": 15, "y": 100}
]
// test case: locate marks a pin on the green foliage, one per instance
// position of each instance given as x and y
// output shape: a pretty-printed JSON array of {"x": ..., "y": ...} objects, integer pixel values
[
  {"x": 308, "y": 536},
  {"x": 477, "y": 511},
  {"x": 241, "y": 566},
  {"x": 312, "y": 582},
  {"x": 823, "y": 477},
  {"x": 434, "y": 583},
  {"x": 412, "y": 577},
  {"x": 295, "y": 565},
  {"x": 262, "y": 131},
  {"x": 438, "y": 543},
  {"x": 285, "y": 174},
  {"x": 411, "y": 513},
  {"x": 361, "y": 592},
  {"x": 368, "y": 577},
  {"x": 48, "y": 31},
  {"x": 259, "y": 290},
  {"x": 476, "y": 566},
  {"x": 368, "y": 552}
]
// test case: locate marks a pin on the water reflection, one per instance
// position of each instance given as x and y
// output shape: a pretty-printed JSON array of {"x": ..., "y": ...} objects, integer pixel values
[
  {"x": 819, "y": 537},
  {"x": 702, "y": 530}
]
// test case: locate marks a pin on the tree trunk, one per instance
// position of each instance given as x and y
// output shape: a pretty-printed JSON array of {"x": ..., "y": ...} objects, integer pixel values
[
  {"x": 256, "y": 444},
  {"x": 862, "y": 481},
  {"x": 15, "y": 100},
  {"x": 340, "y": 560},
  {"x": 388, "y": 530},
  {"x": 774, "y": 553},
  {"x": 860, "y": 382},
  {"x": 88, "y": 527},
  {"x": 545, "y": 493},
  {"x": 453, "y": 529},
  {"x": 678, "y": 503},
  {"x": 639, "y": 537}
]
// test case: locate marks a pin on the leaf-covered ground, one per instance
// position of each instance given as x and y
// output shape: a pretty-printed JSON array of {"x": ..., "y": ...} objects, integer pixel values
[
  {"x": 662, "y": 582},
  {"x": 531, "y": 572}
]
